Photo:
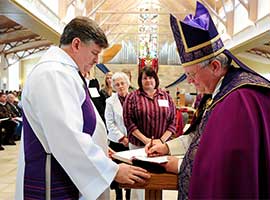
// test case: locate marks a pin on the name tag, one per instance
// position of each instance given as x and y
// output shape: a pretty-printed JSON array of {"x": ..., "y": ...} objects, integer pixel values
[
  {"x": 163, "y": 103},
  {"x": 94, "y": 92}
]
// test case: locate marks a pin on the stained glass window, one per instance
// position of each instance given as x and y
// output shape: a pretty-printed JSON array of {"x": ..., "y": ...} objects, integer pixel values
[{"x": 148, "y": 35}]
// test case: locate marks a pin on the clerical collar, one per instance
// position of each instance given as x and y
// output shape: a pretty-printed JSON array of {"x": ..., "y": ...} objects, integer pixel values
[{"x": 217, "y": 87}]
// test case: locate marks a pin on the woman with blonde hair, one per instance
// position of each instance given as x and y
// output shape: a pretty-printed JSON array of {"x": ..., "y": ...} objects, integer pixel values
[{"x": 107, "y": 89}]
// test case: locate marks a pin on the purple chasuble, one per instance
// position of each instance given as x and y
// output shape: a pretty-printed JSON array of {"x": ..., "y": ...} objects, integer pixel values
[
  {"x": 35, "y": 160},
  {"x": 229, "y": 154}
]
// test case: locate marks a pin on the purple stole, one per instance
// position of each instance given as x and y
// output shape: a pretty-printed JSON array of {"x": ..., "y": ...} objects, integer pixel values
[
  {"x": 235, "y": 78},
  {"x": 61, "y": 186}
]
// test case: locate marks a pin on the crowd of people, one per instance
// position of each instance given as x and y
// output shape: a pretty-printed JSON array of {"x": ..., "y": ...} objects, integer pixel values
[
  {"x": 225, "y": 155},
  {"x": 10, "y": 118}
]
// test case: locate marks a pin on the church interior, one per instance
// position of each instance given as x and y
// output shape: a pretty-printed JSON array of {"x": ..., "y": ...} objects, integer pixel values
[{"x": 139, "y": 34}]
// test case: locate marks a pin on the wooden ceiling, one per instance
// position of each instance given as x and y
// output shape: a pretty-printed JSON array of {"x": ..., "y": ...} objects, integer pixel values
[
  {"x": 21, "y": 34},
  {"x": 21, "y": 31},
  {"x": 17, "y": 41},
  {"x": 120, "y": 18}
]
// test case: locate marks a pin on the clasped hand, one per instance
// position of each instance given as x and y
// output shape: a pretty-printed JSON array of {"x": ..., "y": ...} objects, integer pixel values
[{"x": 130, "y": 174}]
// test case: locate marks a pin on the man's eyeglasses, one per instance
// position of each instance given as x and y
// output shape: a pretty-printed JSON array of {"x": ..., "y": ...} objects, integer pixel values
[{"x": 192, "y": 75}]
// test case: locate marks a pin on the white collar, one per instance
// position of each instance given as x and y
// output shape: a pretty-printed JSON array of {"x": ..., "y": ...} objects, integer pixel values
[
  {"x": 56, "y": 54},
  {"x": 217, "y": 87}
]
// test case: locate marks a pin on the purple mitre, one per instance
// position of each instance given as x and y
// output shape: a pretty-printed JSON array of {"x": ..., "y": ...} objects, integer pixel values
[
  {"x": 196, "y": 37},
  {"x": 201, "y": 18}
]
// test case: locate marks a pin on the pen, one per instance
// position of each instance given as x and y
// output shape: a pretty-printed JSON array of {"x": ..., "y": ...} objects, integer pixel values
[{"x": 151, "y": 142}]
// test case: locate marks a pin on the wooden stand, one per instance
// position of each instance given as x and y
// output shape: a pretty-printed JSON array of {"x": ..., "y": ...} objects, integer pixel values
[{"x": 154, "y": 186}]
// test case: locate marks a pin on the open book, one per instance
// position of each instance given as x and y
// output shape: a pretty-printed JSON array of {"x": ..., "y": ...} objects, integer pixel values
[
  {"x": 138, "y": 154},
  {"x": 139, "y": 158}
]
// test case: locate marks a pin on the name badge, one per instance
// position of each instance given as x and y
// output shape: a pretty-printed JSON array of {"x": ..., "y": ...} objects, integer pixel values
[
  {"x": 94, "y": 92},
  {"x": 163, "y": 103}
]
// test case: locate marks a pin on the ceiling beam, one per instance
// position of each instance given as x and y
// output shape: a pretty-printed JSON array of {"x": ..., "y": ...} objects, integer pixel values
[
  {"x": 21, "y": 15},
  {"x": 96, "y": 8},
  {"x": 134, "y": 12},
  {"x": 230, "y": 23},
  {"x": 104, "y": 20},
  {"x": 261, "y": 50},
  {"x": 70, "y": 2},
  {"x": 137, "y": 33},
  {"x": 16, "y": 36},
  {"x": 243, "y": 4},
  {"x": 214, "y": 12},
  {"x": 258, "y": 40},
  {"x": 224, "y": 8},
  {"x": 21, "y": 55},
  {"x": 28, "y": 46},
  {"x": 187, "y": 6},
  {"x": 112, "y": 41},
  {"x": 112, "y": 5},
  {"x": 119, "y": 17},
  {"x": 62, "y": 8},
  {"x": 133, "y": 24},
  {"x": 6, "y": 23},
  {"x": 119, "y": 34},
  {"x": 253, "y": 10}
]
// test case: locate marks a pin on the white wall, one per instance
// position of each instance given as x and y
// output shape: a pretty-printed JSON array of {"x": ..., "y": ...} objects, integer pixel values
[{"x": 14, "y": 77}]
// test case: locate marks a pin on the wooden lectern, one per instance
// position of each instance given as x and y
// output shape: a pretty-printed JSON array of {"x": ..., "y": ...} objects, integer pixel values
[{"x": 154, "y": 186}]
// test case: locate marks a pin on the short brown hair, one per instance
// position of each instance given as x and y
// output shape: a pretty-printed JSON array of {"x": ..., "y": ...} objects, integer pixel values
[{"x": 85, "y": 29}]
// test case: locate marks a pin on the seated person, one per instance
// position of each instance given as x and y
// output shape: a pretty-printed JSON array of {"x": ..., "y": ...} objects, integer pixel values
[
  {"x": 12, "y": 104},
  {"x": 8, "y": 123}
]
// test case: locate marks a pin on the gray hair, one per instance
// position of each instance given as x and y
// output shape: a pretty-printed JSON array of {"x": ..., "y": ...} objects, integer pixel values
[
  {"x": 222, "y": 58},
  {"x": 122, "y": 75},
  {"x": 11, "y": 97}
]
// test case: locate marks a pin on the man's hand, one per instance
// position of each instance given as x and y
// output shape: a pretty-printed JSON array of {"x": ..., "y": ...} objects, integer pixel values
[
  {"x": 157, "y": 149},
  {"x": 171, "y": 165},
  {"x": 130, "y": 174},
  {"x": 110, "y": 152}
]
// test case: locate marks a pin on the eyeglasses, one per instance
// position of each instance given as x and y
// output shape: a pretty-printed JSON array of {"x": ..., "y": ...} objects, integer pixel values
[
  {"x": 192, "y": 75},
  {"x": 119, "y": 84}
]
